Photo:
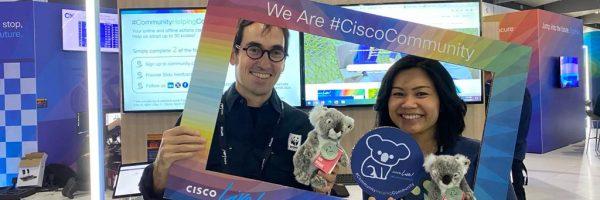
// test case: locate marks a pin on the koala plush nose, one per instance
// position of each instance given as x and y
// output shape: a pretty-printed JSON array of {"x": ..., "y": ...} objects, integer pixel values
[
  {"x": 338, "y": 127},
  {"x": 446, "y": 179}
]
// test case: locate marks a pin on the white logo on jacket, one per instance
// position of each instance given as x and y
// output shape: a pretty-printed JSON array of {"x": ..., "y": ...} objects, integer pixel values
[{"x": 294, "y": 142}]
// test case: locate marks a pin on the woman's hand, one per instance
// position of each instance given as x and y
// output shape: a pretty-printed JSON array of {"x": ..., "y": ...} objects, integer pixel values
[{"x": 330, "y": 178}]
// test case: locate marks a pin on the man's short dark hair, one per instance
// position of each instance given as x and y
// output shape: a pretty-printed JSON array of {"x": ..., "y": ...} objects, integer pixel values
[{"x": 245, "y": 23}]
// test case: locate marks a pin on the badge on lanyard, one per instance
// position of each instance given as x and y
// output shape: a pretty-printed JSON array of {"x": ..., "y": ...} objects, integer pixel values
[
  {"x": 329, "y": 151},
  {"x": 453, "y": 193},
  {"x": 328, "y": 157}
]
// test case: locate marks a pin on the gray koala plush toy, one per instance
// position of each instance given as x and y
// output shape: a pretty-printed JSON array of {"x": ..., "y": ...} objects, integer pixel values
[
  {"x": 448, "y": 177},
  {"x": 329, "y": 127}
]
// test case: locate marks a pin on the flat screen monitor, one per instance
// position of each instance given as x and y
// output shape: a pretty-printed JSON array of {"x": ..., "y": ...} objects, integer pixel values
[
  {"x": 158, "y": 50},
  {"x": 74, "y": 29},
  {"x": 569, "y": 72},
  {"x": 339, "y": 73},
  {"x": 129, "y": 176}
]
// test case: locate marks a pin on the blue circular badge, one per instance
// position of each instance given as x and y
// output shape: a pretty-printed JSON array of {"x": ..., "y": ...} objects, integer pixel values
[{"x": 387, "y": 162}]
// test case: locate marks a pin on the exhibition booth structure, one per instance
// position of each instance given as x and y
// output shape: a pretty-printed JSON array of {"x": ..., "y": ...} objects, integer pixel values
[
  {"x": 43, "y": 82},
  {"x": 556, "y": 73}
]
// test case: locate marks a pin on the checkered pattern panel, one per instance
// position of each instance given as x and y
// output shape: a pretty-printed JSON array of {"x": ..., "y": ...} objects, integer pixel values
[{"x": 18, "y": 116}]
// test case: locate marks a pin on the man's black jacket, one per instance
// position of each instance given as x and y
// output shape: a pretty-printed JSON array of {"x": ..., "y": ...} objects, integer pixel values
[{"x": 247, "y": 132}]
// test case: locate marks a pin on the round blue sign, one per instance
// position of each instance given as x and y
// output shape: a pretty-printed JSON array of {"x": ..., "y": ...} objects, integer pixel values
[{"x": 387, "y": 162}]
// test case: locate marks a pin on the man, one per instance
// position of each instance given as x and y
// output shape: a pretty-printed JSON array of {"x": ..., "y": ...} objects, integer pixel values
[{"x": 257, "y": 125}]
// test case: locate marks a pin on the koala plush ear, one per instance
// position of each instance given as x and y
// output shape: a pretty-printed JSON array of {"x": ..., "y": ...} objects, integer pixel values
[
  {"x": 429, "y": 160},
  {"x": 463, "y": 159},
  {"x": 373, "y": 140},
  {"x": 349, "y": 122},
  {"x": 315, "y": 114}
]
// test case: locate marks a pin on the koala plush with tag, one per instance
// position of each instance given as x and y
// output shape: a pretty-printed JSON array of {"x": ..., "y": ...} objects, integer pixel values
[
  {"x": 448, "y": 177},
  {"x": 323, "y": 144}
]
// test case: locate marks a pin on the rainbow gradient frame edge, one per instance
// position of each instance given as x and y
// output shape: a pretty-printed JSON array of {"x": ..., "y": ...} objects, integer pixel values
[{"x": 508, "y": 61}]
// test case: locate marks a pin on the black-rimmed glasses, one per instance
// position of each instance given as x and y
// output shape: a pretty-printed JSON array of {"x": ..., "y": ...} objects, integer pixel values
[{"x": 255, "y": 52}]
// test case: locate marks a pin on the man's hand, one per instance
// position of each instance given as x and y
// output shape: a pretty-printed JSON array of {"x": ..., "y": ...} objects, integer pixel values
[
  {"x": 330, "y": 178},
  {"x": 177, "y": 143}
]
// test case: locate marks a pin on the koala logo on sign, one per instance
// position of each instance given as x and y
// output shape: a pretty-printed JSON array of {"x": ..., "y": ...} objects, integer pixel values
[{"x": 380, "y": 163}]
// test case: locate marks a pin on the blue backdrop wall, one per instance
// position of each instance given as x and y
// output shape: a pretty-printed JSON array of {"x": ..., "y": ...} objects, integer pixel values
[{"x": 36, "y": 58}]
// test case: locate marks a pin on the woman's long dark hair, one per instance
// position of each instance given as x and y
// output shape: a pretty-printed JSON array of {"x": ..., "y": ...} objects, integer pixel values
[{"x": 450, "y": 123}]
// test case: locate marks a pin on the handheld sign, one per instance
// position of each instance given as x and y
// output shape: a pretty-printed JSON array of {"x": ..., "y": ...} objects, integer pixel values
[{"x": 387, "y": 162}]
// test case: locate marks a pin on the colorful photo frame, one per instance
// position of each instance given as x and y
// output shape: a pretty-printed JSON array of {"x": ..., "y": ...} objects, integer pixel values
[{"x": 509, "y": 62}]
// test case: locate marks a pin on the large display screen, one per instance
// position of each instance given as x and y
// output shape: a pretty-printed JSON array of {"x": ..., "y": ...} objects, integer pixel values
[
  {"x": 158, "y": 52},
  {"x": 339, "y": 73},
  {"x": 569, "y": 72}
]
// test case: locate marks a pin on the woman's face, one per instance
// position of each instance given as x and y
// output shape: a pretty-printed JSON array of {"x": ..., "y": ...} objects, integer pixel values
[{"x": 414, "y": 103}]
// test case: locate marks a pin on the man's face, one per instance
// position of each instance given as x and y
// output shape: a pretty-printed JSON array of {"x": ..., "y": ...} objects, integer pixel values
[{"x": 256, "y": 77}]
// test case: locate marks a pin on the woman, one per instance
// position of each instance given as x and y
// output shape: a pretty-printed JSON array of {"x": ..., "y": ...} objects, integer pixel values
[{"x": 418, "y": 96}]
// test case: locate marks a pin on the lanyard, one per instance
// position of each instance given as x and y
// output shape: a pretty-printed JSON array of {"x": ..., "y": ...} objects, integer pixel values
[{"x": 225, "y": 148}]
